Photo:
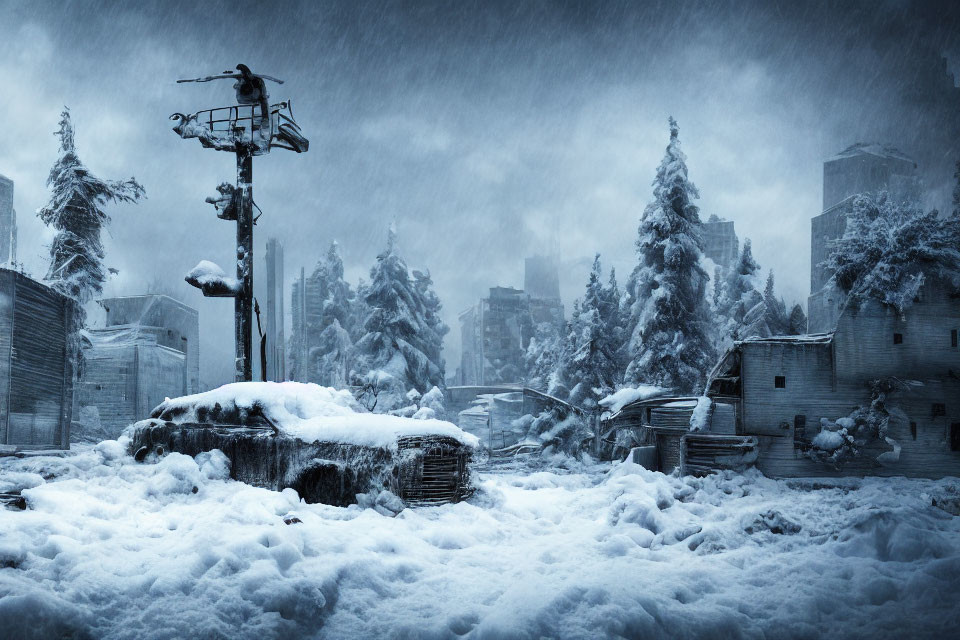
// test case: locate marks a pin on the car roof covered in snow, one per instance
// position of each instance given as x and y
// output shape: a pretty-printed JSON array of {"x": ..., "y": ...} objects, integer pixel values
[{"x": 305, "y": 411}]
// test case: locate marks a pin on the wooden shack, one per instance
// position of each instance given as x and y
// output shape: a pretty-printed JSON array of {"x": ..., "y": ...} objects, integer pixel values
[
  {"x": 36, "y": 375},
  {"x": 782, "y": 388}
]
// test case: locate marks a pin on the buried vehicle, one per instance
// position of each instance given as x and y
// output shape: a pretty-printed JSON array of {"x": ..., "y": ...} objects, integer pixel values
[{"x": 315, "y": 440}]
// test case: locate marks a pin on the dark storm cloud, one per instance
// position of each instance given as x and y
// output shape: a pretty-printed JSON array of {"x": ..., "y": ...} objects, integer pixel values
[{"x": 486, "y": 131}]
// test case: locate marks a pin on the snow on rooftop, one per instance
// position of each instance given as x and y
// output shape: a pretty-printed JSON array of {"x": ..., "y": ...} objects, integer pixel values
[
  {"x": 616, "y": 401},
  {"x": 309, "y": 412}
]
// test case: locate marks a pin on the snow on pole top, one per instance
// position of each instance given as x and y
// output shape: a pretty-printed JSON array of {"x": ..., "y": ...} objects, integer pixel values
[{"x": 305, "y": 411}]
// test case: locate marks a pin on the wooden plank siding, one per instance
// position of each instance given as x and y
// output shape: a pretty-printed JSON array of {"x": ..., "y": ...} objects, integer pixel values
[
  {"x": 807, "y": 369},
  {"x": 831, "y": 378}
]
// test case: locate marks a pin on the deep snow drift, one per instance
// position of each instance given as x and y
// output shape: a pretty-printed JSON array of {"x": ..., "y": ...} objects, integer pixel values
[{"x": 115, "y": 549}]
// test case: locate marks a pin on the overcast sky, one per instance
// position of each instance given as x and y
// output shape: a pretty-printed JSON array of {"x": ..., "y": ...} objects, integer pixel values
[{"x": 487, "y": 131}]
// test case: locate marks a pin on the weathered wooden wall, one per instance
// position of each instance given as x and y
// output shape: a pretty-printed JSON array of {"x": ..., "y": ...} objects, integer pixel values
[
  {"x": 36, "y": 377},
  {"x": 809, "y": 387}
]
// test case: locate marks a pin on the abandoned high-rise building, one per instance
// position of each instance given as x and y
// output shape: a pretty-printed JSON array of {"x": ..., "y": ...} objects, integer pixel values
[
  {"x": 269, "y": 295},
  {"x": 720, "y": 242},
  {"x": 859, "y": 169},
  {"x": 495, "y": 333},
  {"x": 8, "y": 222}
]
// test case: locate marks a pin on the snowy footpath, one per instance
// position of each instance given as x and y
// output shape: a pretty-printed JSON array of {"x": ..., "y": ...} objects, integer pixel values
[{"x": 114, "y": 549}]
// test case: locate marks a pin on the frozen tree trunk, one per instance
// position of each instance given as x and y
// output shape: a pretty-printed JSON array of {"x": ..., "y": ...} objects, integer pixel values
[{"x": 243, "y": 303}]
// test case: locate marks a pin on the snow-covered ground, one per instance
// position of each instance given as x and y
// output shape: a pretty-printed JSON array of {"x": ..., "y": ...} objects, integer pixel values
[{"x": 115, "y": 549}]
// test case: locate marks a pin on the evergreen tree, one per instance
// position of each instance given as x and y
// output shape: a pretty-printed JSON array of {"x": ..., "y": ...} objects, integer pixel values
[
  {"x": 76, "y": 211},
  {"x": 592, "y": 369},
  {"x": 325, "y": 339},
  {"x": 740, "y": 295},
  {"x": 717, "y": 299},
  {"x": 542, "y": 357},
  {"x": 670, "y": 344},
  {"x": 956, "y": 192},
  {"x": 612, "y": 316},
  {"x": 775, "y": 312},
  {"x": 798, "y": 321},
  {"x": 400, "y": 349},
  {"x": 889, "y": 248}
]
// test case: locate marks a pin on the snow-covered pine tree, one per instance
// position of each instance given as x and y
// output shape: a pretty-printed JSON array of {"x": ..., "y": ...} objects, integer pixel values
[
  {"x": 889, "y": 248},
  {"x": 798, "y": 321},
  {"x": 76, "y": 211},
  {"x": 740, "y": 294},
  {"x": 717, "y": 300},
  {"x": 775, "y": 311},
  {"x": 395, "y": 353},
  {"x": 329, "y": 301},
  {"x": 330, "y": 356},
  {"x": 592, "y": 370},
  {"x": 542, "y": 356},
  {"x": 612, "y": 315},
  {"x": 433, "y": 329},
  {"x": 956, "y": 191},
  {"x": 670, "y": 338}
]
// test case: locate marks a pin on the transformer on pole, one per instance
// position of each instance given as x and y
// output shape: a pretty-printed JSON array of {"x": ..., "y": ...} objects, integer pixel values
[{"x": 250, "y": 128}]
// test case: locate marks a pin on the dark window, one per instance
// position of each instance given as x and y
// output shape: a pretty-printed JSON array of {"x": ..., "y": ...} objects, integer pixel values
[
  {"x": 898, "y": 338},
  {"x": 955, "y": 436},
  {"x": 953, "y": 338},
  {"x": 939, "y": 409},
  {"x": 913, "y": 430},
  {"x": 780, "y": 382}
]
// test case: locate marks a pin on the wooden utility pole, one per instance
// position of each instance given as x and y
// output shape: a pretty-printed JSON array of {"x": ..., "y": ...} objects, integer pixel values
[
  {"x": 251, "y": 128},
  {"x": 243, "y": 302}
]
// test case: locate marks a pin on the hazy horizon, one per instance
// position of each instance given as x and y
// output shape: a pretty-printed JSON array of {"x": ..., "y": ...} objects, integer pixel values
[{"x": 488, "y": 132}]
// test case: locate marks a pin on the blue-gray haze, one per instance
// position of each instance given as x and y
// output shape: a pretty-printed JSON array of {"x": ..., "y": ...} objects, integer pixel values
[{"x": 487, "y": 131}]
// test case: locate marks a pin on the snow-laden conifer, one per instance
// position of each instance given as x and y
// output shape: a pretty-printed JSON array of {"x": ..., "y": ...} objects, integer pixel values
[
  {"x": 670, "y": 339},
  {"x": 890, "y": 248},
  {"x": 404, "y": 335},
  {"x": 76, "y": 211}
]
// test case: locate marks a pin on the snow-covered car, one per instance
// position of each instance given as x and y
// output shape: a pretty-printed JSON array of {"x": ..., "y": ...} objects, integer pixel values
[{"x": 313, "y": 439}]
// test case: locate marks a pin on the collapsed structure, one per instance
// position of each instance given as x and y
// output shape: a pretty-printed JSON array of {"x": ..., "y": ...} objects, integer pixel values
[{"x": 786, "y": 403}]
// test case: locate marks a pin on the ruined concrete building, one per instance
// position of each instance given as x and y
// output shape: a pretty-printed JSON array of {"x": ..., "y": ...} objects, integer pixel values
[
  {"x": 162, "y": 311},
  {"x": 8, "y": 222},
  {"x": 859, "y": 169},
  {"x": 128, "y": 370},
  {"x": 720, "y": 242},
  {"x": 495, "y": 333},
  {"x": 36, "y": 375},
  {"x": 149, "y": 350}
]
